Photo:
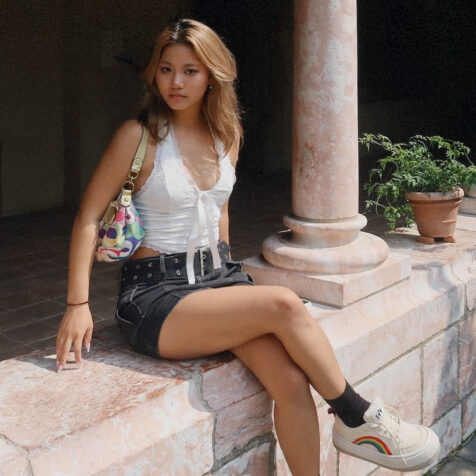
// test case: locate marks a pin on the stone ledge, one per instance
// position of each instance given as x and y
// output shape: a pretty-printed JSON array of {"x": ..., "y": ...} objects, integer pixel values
[
  {"x": 335, "y": 290},
  {"x": 123, "y": 413},
  {"x": 116, "y": 408},
  {"x": 468, "y": 205},
  {"x": 13, "y": 460}
]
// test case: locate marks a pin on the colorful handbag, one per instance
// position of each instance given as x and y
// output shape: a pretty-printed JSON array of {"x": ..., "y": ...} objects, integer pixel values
[{"x": 121, "y": 231}]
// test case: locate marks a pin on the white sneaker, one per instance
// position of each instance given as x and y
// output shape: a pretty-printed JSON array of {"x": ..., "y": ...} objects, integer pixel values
[{"x": 387, "y": 441}]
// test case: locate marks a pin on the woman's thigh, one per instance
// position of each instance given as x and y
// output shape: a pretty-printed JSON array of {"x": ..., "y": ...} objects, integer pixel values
[
  {"x": 266, "y": 357},
  {"x": 213, "y": 320}
]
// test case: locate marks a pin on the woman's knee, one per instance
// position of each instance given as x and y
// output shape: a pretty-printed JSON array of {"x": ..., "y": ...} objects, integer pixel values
[{"x": 287, "y": 307}]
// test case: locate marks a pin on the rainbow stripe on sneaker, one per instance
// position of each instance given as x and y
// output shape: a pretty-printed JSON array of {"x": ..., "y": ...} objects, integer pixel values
[{"x": 377, "y": 443}]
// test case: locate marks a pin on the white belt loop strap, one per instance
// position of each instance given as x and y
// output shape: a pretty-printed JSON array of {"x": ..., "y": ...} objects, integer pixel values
[
  {"x": 205, "y": 207},
  {"x": 190, "y": 253}
]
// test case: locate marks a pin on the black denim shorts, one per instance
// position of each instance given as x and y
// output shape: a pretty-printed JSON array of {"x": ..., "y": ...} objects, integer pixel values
[{"x": 149, "y": 288}]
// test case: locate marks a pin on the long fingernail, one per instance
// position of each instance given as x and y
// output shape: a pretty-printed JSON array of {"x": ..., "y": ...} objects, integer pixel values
[
  {"x": 88, "y": 346},
  {"x": 59, "y": 367}
]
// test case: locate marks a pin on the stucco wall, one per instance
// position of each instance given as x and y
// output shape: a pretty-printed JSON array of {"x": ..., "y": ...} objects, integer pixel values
[
  {"x": 31, "y": 106},
  {"x": 63, "y": 93},
  {"x": 101, "y": 91}
]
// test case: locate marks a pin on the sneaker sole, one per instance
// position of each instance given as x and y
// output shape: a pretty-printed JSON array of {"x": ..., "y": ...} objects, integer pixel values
[{"x": 425, "y": 457}]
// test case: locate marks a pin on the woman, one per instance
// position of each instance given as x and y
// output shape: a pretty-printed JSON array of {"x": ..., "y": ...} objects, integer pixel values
[{"x": 182, "y": 297}]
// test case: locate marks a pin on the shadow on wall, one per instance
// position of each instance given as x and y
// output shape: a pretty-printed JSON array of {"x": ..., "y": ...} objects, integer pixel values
[{"x": 63, "y": 96}]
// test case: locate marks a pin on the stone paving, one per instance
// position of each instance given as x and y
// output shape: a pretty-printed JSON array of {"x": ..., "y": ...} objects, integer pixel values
[
  {"x": 462, "y": 463},
  {"x": 33, "y": 275}
]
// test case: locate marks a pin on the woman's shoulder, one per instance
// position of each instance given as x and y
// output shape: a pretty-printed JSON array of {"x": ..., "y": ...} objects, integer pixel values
[
  {"x": 126, "y": 138},
  {"x": 123, "y": 144},
  {"x": 129, "y": 131}
]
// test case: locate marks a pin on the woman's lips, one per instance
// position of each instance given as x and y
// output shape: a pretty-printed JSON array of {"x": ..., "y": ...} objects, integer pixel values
[{"x": 176, "y": 96}]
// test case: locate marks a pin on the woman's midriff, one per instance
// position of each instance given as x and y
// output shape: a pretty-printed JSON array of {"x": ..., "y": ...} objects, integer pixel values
[{"x": 144, "y": 252}]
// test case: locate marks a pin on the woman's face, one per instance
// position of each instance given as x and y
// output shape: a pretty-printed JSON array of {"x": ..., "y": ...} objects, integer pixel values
[{"x": 181, "y": 78}]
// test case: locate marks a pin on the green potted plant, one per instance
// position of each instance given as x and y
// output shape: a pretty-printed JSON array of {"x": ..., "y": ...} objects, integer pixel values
[
  {"x": 420, "y": 180},
  {"x": 469, "y": 185}
]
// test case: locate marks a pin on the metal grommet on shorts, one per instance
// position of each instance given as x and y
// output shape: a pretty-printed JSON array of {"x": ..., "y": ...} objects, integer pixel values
[
  {"x": 150, "y": 264},
  {"x": 149, "y": 275},
  {"x": 175, "y": 260},
  {"x": 177, "y": 272},
  {"x": 134, "y": 277}
]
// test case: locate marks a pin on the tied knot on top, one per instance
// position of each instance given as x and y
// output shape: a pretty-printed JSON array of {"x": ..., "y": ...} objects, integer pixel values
[{"x": 205, "y": 206}]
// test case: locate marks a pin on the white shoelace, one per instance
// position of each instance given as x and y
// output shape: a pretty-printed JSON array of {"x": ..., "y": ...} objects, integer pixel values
[{"x": 391, "y": 422}]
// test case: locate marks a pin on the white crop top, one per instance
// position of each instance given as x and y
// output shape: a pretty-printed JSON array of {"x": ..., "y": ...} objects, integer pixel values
[{"x": 176, "y": 214}]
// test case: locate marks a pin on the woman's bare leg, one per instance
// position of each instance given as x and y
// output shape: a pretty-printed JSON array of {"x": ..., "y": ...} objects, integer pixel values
[
  {"x": 295, "y": 416},
  {"x": 213, "y": 320}
]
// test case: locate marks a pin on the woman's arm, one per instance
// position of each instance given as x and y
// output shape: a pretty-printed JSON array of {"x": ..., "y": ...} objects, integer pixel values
[
  {"x": 223, "y": 224},
  {"x": 76, "y": 326}
]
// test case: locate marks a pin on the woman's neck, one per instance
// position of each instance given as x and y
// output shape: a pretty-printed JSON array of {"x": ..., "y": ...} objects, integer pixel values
[{"x": 188, "y": 119}]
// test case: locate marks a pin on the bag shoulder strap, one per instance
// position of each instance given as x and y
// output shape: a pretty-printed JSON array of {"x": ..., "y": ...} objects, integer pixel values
[
  {"x": 125, "y": 195},
  {"x": 139, "y": 155}
]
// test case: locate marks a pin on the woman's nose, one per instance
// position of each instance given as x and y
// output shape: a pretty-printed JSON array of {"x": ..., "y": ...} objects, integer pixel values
[{"x": 177, "y": 79}]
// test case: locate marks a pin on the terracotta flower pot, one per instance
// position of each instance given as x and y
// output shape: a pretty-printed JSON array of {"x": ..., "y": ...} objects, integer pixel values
[{"x": 435, "y": 214}]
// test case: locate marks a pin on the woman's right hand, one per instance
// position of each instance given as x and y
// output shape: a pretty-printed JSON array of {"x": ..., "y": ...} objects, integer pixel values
[{"x": 76, "y": 329}]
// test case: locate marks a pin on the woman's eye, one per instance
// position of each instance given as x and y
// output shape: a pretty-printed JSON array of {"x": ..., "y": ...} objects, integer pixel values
[{"x": 165, "y": 69}]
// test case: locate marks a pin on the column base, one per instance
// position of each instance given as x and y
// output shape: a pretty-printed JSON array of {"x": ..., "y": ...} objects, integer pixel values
[
  {"x": 337, "y": 290},
  {"x": 365, "y": 252},
  {"x": 468, "y": 205}
]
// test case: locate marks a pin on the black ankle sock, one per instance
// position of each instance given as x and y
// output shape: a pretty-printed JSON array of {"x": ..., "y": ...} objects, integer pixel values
[{"x": 350, "y": 407}]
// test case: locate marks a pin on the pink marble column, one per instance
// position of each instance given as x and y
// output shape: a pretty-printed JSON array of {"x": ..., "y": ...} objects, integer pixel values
[{"x": 325, "y": 236}]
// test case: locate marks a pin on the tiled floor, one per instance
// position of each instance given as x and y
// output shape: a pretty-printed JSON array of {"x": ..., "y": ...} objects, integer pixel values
[
  {"x": 33, "y": 263},
  {"x": 33, "y": 277},
  {"x": 33, "y": 274}
]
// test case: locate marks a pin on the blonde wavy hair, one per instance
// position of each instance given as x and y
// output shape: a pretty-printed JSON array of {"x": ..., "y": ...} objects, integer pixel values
[{"x": 220, "y": 104}]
